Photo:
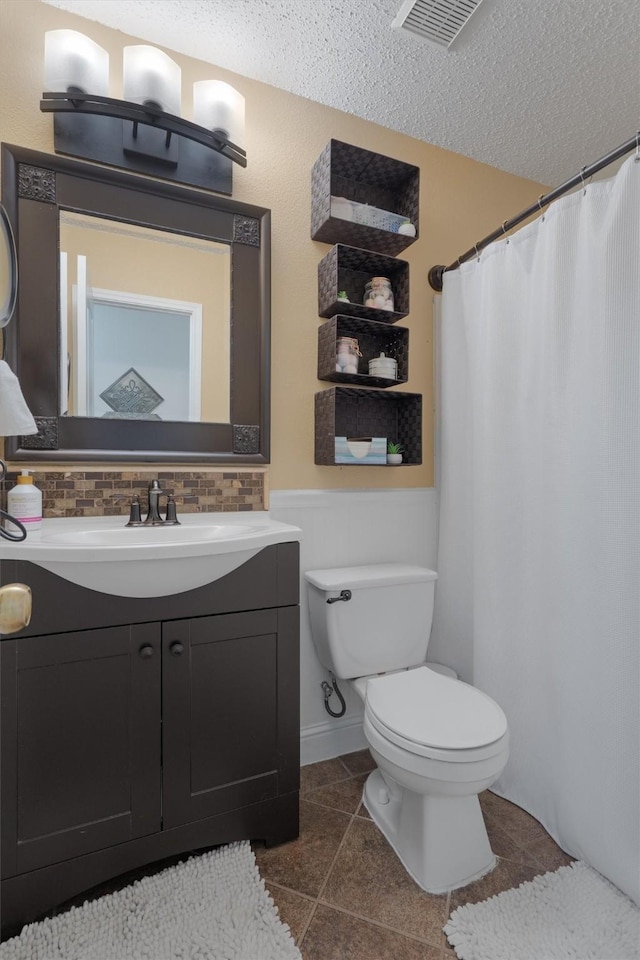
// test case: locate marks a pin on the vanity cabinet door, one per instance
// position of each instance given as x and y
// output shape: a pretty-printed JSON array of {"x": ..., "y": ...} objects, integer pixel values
[
  {"x": 80, "y": 743},
  {"x": 230, "y": 712}
]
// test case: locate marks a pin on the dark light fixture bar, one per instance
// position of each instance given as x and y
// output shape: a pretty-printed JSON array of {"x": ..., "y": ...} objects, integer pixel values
[
  {"x": 91, "y": 104},
  {"x": 436, "y": 273}
]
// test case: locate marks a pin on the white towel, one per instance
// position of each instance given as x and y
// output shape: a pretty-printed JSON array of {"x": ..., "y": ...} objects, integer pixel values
[{"x": 15, "y": 416}]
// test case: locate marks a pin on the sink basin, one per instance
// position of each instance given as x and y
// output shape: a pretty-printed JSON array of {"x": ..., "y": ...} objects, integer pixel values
[
  {"x": 144, "y": 536},
  {"x": 103, "y": 554}
]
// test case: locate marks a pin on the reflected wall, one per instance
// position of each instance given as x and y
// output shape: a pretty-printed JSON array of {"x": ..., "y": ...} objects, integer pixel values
[{"x": 151, "y": 301}]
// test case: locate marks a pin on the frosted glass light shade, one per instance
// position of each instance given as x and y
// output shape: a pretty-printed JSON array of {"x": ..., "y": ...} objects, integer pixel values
[
  {"x": 217, "y": 106},
  {"x": 74, "y": 62},
  {"x": 150, "y": 76}
]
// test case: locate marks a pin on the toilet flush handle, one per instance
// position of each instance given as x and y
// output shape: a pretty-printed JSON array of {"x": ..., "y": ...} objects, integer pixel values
[{"x": 344, "y": 595}]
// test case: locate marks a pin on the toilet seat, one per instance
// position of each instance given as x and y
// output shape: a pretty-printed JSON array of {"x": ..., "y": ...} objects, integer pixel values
[{"x": 432, "y": 715}]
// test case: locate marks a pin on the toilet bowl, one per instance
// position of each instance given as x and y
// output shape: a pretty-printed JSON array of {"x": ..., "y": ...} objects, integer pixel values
[
  {"x": 431, "y": 766},
  {"x": 436, "y": 740}
]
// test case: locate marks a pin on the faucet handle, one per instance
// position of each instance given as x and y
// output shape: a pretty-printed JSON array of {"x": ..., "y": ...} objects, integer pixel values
[
  {"x": 171, "y": 516},
  {"x": 134, "y": 512}
]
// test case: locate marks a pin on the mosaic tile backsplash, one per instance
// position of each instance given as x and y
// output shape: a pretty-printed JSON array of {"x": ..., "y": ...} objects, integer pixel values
[{"x": 78, "y": 493}]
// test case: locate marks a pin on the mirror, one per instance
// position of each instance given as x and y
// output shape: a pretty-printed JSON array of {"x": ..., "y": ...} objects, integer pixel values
[
  {"x": 142, "y": 320},
  {"x": 126, "y": 294},
  {"x": 8, "y": 270}
]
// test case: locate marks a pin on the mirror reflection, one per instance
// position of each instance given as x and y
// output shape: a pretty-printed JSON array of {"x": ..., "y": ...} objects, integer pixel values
[{"x": 144, "y": 323}]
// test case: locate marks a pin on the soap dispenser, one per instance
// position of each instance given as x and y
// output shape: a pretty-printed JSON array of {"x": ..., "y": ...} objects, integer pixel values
[{"x": 24, "y": 502}]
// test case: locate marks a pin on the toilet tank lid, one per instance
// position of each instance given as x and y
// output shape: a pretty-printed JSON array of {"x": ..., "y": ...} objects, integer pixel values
[{"x": 369, "y": 575}]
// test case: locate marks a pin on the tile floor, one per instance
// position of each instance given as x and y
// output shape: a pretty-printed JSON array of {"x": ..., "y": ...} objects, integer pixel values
[{"x": 346, "y": 896}]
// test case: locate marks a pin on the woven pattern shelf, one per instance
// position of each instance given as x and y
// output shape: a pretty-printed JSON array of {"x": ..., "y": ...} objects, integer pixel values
[
  {"x": 344, "y": 170},
  {"x": 349, "y": 412},
  {"x": 348, "y": 268},
  {"x": 373, "y": 338}
]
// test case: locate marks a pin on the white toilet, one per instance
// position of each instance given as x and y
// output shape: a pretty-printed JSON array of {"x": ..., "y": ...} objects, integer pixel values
[{"x": 436, "y": 740}]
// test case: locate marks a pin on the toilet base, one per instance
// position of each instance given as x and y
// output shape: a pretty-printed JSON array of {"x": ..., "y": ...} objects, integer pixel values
[{"x": 441, "y": 840}]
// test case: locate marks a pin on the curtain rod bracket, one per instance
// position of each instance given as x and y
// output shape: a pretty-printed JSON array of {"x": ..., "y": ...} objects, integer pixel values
[{"x": 435, "y": 277}]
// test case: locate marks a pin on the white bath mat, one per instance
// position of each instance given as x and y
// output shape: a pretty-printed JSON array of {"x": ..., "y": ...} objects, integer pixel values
[
  {"x": 212, "y": 907},
  {"x": 572, "y": 914}
]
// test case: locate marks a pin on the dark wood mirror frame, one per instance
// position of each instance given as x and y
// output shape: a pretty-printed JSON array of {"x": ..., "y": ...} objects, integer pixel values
[{"x": 35, "y": 187}]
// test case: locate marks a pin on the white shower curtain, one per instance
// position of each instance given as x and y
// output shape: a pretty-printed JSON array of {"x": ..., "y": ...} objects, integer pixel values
[{"x": 539, "y": 553}]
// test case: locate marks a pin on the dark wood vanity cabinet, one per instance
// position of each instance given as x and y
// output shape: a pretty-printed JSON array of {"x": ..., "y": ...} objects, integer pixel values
[
  {"x": 226, "y": 743},
  {"x": 80, "y": 746},
  {"x": 129, "y": 742}
]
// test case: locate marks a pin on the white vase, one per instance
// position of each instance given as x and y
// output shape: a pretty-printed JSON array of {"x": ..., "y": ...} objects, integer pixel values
[
  {"x": 394, "y": 459},
  {"x": 407, "y": 228}
]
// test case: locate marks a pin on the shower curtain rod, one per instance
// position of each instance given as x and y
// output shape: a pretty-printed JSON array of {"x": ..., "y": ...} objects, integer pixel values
[{"x": 436, "y": 273}]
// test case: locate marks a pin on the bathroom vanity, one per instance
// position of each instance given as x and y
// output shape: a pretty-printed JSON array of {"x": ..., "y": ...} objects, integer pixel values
[{"x": 136, "y": 728}]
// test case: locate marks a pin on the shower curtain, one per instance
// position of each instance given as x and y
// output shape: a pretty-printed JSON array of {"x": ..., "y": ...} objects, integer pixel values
[{"x": 539, "y": 544}]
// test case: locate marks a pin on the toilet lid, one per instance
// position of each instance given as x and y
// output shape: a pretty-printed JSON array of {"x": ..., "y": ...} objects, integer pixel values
[{"x": 424, "y": 707}]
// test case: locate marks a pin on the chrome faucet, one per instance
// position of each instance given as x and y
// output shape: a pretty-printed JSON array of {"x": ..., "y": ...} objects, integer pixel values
[{"x": 153, "y": 518}]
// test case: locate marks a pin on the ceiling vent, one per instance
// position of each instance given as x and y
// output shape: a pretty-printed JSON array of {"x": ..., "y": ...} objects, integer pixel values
[{"x": 439, "y": 21}]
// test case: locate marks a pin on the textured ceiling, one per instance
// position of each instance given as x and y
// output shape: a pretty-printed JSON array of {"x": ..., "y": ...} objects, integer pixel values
[{"x": 539, "y": 88}]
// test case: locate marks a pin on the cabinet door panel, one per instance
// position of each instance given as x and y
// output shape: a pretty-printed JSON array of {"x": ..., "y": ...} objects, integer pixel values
[
  {"x": 220, "y": 730},
  {"x": 86, "y": 755}
]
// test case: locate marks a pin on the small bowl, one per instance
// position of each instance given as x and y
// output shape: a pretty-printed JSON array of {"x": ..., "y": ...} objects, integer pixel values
[{"x": 359, "y": 448}]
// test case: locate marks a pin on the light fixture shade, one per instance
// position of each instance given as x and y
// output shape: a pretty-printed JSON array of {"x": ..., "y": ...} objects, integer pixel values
[
  {"x": 217, "y": 106},
  {"x": 74, "y": 62},
  {"x": 151, "y": 77}
]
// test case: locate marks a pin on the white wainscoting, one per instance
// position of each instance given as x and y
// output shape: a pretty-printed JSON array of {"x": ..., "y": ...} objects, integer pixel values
[{"x": 343, "y": 528}]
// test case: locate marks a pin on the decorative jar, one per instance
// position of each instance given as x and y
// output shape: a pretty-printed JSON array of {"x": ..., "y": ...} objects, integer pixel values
[
  {"x": 378, "y": 294},
  {"x": 347, "y": 355},
  {"x": 383, "y": 366}
]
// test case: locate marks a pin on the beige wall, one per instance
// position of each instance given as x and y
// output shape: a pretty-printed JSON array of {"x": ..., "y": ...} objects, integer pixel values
[{"x": 460, "y": 202}]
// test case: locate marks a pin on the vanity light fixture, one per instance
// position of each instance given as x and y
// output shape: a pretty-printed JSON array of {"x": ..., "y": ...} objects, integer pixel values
[{"x": 143, "y": 133}]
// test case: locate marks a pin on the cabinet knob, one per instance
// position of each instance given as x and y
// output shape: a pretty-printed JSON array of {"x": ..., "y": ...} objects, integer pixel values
[
  {"x": 146, "y": 651},
  {"x": 176, "y": 649}
]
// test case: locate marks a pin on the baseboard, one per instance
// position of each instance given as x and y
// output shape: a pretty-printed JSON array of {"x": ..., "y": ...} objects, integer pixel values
[{"x": 331, "y": 738}]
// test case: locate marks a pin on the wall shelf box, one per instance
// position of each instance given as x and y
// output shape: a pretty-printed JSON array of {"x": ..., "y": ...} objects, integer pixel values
[
  {"x": 349, "y": 268},
  {"x": 357, "y": 412},
  {"x": 373, "y": 338},
  {"x": 344, "y": 170}
]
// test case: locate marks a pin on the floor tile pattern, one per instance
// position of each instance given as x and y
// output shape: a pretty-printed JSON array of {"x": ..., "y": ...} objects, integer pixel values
[
  {"x": 341, "y": 888},
  {"x": 346, "y": 896}
]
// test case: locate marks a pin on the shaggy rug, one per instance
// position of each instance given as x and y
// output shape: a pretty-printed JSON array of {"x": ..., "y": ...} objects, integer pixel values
[
  {"x": 211, "y": 907},
  {"x": 572, "y": 914}
]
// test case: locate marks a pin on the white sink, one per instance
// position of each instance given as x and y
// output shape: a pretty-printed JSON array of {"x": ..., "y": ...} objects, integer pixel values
[
  {"x": 103, "y": 554},
  {"x": 143, "y": 536}
]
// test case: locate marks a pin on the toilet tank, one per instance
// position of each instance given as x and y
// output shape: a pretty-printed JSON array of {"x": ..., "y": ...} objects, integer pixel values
[{"x": 385, "y": 625}]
